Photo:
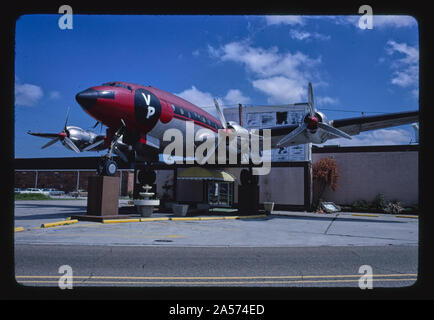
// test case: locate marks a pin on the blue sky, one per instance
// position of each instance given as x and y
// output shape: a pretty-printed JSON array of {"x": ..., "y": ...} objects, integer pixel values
[{"x": 254, "y": 60}]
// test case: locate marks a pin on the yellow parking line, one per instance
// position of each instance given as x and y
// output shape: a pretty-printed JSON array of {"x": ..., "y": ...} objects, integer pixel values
[
  {"x": 18, "y": 229},
  {"x": 404, "y": 216}
]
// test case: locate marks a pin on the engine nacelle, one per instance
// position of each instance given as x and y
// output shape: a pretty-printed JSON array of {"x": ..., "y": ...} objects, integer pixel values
[
  {"x": 239, "y": 130},
  {"x": 321, "y": 117},
  {"x": 80, "y": 137}
]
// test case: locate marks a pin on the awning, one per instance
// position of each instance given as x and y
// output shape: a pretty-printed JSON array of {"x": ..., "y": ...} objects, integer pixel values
[{"x": 199, "y": 173}]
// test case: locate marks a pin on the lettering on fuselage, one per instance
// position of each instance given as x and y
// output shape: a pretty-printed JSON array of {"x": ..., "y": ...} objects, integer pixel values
[{"x": 147, "y": 107}]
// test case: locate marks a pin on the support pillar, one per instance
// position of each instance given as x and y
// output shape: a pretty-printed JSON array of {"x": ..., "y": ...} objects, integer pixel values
[{"x": 103, "y": 196}]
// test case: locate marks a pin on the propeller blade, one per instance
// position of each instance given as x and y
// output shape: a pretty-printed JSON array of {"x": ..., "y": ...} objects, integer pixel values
[
  {"x": 290, "y": 136},
  {"x": 93, "y": 145},
  {"x": 310, "y": 100},
  {"x": 333, "y": 130},
  {"x": 66, "y": 119},
  {"x": 220, "y": 114},
  {"x": 94, "y": 126},
  {"x": 71, "y": 144},
  {"x": 44, "y": 135},
  {"x": 49, "y": 143}
]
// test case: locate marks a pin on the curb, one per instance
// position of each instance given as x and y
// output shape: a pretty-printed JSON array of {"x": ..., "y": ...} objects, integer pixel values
[
  {"x": 365, "y": 215},
  {"x": 183, "y": 219},
  {"x": 56, "y": 224}
]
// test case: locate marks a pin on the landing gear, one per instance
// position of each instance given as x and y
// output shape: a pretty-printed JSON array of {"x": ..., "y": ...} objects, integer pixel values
[{"x": 106, "y": 167}]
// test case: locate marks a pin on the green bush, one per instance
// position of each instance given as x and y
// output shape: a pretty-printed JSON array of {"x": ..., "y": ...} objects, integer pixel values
[
  {"x": 379, "y": 202},
  {"x": 31, "y": 196}
]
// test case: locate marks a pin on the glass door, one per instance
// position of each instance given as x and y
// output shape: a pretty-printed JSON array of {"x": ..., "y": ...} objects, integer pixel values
[{"x": 220, "y": 193}]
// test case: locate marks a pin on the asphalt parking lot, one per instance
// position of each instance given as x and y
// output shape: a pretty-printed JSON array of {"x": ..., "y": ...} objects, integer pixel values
[
  {"x": 289, "y": 249},
  {"x": 282, "y": 228}
]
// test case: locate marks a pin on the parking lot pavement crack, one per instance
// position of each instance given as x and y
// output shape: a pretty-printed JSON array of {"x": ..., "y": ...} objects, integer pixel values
[{"x": 331, "y": 222}]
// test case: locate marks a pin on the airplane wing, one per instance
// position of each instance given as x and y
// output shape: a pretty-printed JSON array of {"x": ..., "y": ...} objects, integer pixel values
[
  {"x": 354, "y": 126},
  {"x": 351, "y": 126}
]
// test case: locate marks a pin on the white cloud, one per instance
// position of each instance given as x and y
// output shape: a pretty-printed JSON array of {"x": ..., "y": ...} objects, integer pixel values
[
  {"x": 197, "y": 97},
  {"x": 205, "y": 100},
  {"x": 291, "y": 20},
  {"x": 406, "y": 69},
  {"x": 27, "y": 94},
  {"x": 302, "y": 35},
  {"x": 376, "y": 138},
  {"x": 281, "y": 76},
  {"x": 378, "y": 21},
  {"x": 319, "y": 100},
  {"x": 281, "y": 89},
  {"x": 234, "y": 97},
  {"x": 383, "y": 21}
]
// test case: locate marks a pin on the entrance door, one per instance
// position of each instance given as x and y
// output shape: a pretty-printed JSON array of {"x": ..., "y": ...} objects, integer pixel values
[{"x": 220, "y": 194}]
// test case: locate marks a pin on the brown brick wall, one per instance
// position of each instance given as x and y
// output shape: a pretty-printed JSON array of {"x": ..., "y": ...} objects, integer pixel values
[{"x": 66, "y": 180}]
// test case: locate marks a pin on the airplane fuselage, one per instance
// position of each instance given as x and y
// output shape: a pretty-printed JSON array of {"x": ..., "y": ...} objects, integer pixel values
[{"x": 146, "y": 110}]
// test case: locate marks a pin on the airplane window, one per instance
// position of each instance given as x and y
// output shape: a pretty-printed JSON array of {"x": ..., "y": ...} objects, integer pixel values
[{"x": 181, "y": 110}]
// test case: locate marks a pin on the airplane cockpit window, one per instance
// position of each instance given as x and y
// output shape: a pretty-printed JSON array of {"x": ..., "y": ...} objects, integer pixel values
[{"x": 119, "y": 85}]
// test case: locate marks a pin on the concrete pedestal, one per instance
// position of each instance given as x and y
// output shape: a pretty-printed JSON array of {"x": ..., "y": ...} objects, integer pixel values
[{"x": 103, "y": 196}]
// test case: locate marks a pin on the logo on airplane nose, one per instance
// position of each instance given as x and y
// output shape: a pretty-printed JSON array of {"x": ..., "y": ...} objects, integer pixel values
[{"x": 147, "y": 107}]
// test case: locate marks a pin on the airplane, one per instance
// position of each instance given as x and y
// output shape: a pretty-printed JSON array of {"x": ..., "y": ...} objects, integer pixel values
[{"x": 136, "y": 117}]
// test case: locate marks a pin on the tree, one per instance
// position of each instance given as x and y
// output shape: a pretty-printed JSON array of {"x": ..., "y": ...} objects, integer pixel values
[{"x": 325, "y": 174}]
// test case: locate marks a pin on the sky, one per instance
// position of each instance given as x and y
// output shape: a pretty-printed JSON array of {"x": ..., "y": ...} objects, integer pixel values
[{"x": 253, "y": 60}]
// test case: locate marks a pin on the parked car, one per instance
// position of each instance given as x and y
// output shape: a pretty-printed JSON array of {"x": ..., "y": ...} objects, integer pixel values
[
  {"x": 79, "y": 193},
  {"x": 52, "y": 192},
  {"x": 17, "y": 190},
  {"x": 32, "y": 190}
]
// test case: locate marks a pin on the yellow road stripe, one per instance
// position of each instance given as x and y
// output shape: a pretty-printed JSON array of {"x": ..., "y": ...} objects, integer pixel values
[
  {"x": 214, "y": 282},
  {"x": 404, "y": 216},
  {"x": 18, "y": 229},
  {"x": 221, "y": 277}
]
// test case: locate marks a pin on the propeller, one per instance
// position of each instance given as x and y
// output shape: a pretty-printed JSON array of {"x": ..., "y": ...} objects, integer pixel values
[
  {"x": 62, "y": 136},
  {"x": 311, "y": 122},
  {"x": 220, "y": 114},
  {"x": 93, "y": 145}
]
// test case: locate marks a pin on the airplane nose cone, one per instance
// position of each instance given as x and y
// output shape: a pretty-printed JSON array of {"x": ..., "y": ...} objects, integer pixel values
[{"x": 87, "y": 98}]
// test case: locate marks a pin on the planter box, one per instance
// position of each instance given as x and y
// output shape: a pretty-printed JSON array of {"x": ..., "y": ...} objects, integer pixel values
[
  {"x": 268, "y": 207},
  {"x": 180, "y": 209}
]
